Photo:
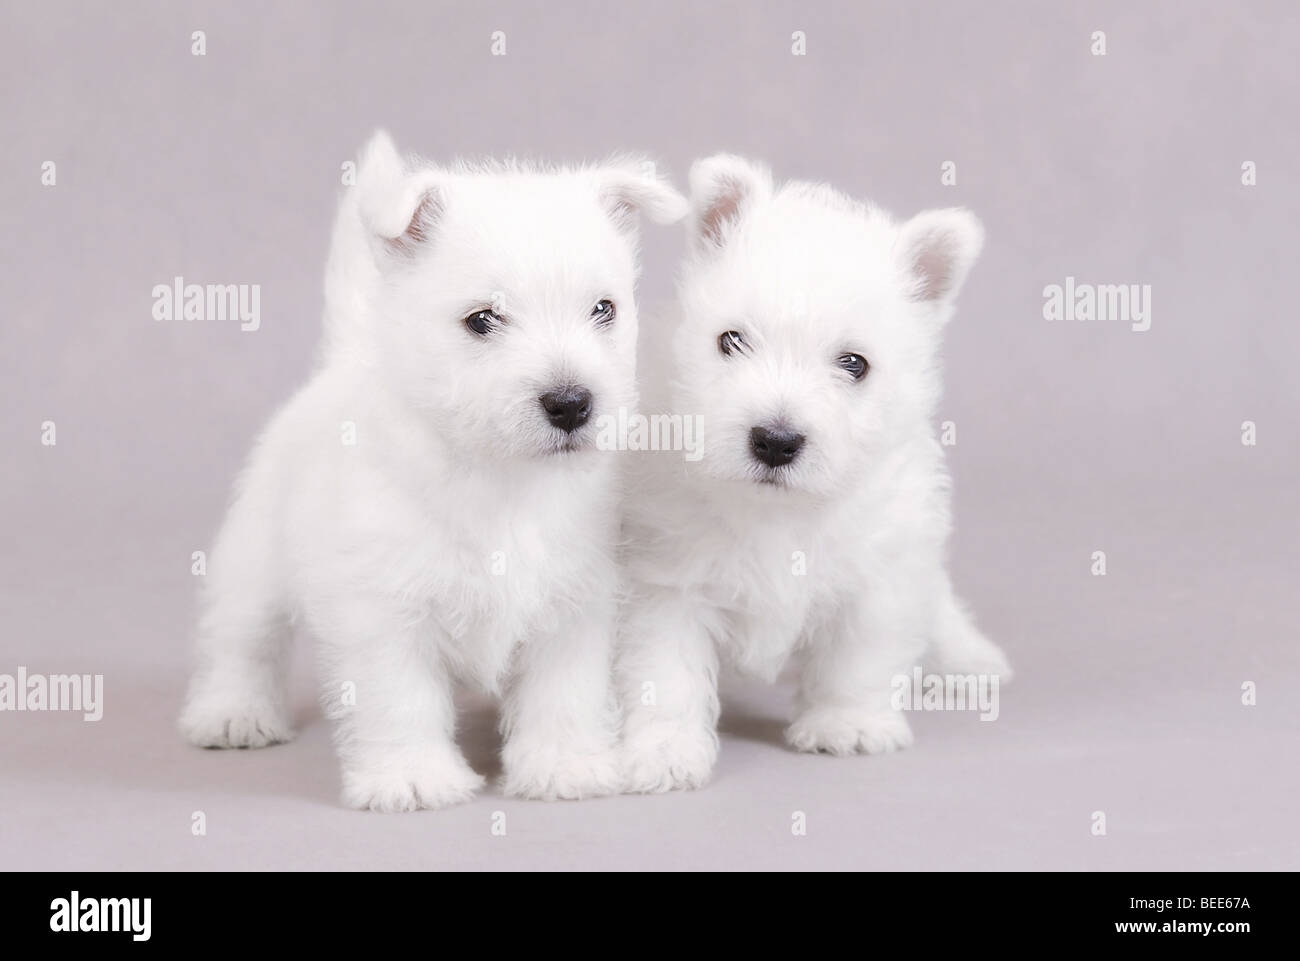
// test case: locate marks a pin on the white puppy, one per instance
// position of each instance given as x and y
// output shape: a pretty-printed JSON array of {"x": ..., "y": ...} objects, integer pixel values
[
  {"x": 815, "y": 523},
  {"x": 431, "y": 505}
]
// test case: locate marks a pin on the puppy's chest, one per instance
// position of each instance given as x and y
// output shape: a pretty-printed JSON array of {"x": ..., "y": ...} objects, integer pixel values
[
  {"x": 501, "y": 578},
  {"x": 770, "y": 586}
]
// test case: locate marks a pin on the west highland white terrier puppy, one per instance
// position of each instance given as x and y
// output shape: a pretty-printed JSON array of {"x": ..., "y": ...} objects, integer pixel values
[
  {"x": 432, "y": 505},
  {"x": 813, "y": 527}
]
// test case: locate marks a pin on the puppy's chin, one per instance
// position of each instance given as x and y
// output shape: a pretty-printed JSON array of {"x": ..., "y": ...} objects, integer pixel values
[
  {"x": 789, "y": 482},
  {"x": 774, "y": 478},
  {"x": 562, "y": 445},
  {"x": 758, "y": 480}
]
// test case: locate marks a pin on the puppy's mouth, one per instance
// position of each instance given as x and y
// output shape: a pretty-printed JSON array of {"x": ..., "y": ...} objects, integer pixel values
[
  {"x": 778, "y": 477},
  {"x": 573, "y": 443}
]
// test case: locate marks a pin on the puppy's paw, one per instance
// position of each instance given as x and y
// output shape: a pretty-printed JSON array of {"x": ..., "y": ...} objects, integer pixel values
[
  {"x": 410, "y": 785},
  {"x": 849, "y": 730},
  {"x": 662, "y": 757},
  {"x": 549, "y": 775},
  {"x": 239, "y": 722}
]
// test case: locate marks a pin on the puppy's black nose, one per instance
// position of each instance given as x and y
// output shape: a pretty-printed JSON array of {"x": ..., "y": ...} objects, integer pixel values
[
  {"x": 567, "y": 408},
  {"x": 775, "y": 446}
]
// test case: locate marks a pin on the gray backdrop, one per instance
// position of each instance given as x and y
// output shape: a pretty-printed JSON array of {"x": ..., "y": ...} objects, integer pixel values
[{"x": 1073, "y": 436}]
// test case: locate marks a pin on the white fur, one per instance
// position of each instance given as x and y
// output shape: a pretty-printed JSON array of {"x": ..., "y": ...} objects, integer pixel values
[
  {"x": 715, "y": 547},
  {"x": 462, "y": 536}
]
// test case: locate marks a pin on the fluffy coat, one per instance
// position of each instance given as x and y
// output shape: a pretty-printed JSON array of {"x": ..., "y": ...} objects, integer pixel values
[
  {"x": 834, "y": 561},
  {"x": 414, "y": 507}
]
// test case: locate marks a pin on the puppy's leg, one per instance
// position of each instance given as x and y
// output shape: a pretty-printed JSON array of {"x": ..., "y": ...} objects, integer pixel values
[
  {"x": 559, "y": 719},
  {"x": 237, "y": 696},
  {"x": 390, "y": 699},
  {"x": 668, "y": 684},
  {"x": 844, "y": 701},
  {"x": 958, "y": 646}
]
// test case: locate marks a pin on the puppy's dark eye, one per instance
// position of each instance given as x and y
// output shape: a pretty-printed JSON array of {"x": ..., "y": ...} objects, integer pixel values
[
  {"x": 603, "y": 313},
  {"x": 855, "y": 364},
  {"x": 732, "y": 342},
  {"x": 483, "y": 322}
]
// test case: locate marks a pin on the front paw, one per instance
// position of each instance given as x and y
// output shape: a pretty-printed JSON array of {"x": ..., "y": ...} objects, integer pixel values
[
  {"x": 547, "y": 774},
  {"x": 850, "y": 730},
  {"x": 234, "y": 720},
  {"x": 663, "y": 757},
  {"x": 409, "y": 784}
]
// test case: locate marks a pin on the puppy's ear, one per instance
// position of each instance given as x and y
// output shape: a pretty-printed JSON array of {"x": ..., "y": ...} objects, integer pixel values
[
  {"x": 723, "y": 188},
  {"x": 631, "y": 186},
  {"x": 935, "y": 251},
  {"x": 398, "y": 205}
]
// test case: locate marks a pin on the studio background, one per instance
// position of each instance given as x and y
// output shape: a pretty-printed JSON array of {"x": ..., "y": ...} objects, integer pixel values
[{"x": 1072, "y": 437}]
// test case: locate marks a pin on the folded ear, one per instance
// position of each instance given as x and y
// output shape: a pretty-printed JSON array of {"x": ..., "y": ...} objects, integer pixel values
[
  {"x": 398, "y": 205},
  {"x": 936, "y": 250},
  {"x": 632, "y": 186},
  {"x": 723, "y": 188}
]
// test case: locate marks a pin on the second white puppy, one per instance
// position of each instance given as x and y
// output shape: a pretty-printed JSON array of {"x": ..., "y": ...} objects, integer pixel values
[
  {"x": 814, "y": 525},
  {"x": 431, "y": 505}
]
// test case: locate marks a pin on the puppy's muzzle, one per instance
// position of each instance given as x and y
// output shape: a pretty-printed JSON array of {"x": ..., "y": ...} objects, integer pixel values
[
  {"x": 775, "y": 446},
  {"x": 567, "y": 408}
]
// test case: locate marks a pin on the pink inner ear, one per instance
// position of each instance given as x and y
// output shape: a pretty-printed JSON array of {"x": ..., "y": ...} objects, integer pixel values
[
  {"x": 421, "y": 226},
  {"x": 932, "y": 263},
  {"x": 622, "y": 211},
  {"x": 724, "y": 209},
  {"x": 624, "y": 196}
]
